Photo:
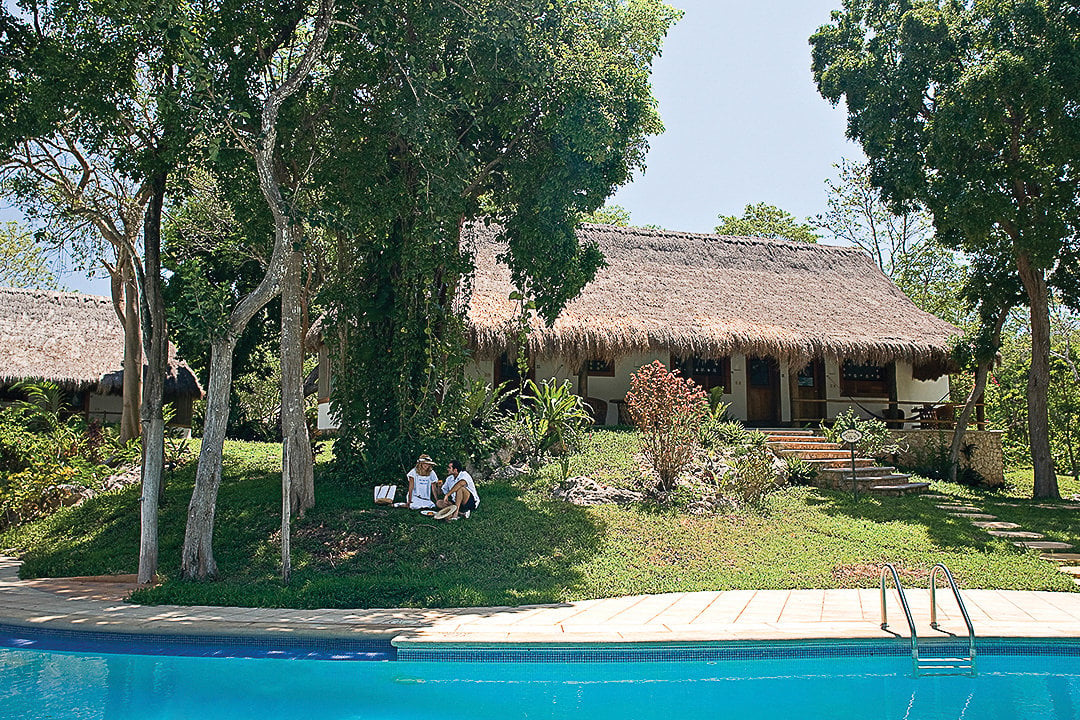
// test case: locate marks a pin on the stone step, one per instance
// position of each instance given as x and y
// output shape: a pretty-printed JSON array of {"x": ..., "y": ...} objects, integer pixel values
[
  {"x": 803, "y": 445},
  {"x": 841, "y": 463},
  {"x": 816, "y": 454},
  {"x": 792, "y": 437},
  {"x": 1070, "y": 570},
  {"x": 788, "y": 431},
  {"x": 959, "y": 508},
  {"x": 1050, "y": 545},
  {"x": 864, "y": 484},
  {"x": 1016, "y": 534},
  {"x": 975, "y": 516},
  {"x": 996, "y": 525},
  {"x": 863, "y": 471},
  {"x": 1062, "y": 557},
  {"x": 901, "y": 489}
]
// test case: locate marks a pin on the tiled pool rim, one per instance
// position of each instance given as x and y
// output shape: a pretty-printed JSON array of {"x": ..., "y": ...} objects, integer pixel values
[{"x": 343, "y": 649}]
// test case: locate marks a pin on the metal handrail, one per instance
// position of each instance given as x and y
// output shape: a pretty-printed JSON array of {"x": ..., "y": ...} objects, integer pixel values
[
  {"x": 889, "y": 567},
  {"x": 959, "y": 602}
]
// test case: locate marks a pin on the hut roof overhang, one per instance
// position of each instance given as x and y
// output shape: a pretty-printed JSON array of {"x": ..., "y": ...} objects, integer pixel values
[
  {"x": 711, "y": 296},
  {"x": 74, "y": 340}
]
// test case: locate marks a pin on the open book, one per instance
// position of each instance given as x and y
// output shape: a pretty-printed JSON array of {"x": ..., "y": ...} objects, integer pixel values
[{"x": 384, "y": 494}]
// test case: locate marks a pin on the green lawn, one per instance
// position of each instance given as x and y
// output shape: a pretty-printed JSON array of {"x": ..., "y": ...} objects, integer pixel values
[{"x": 524, "y": 547}]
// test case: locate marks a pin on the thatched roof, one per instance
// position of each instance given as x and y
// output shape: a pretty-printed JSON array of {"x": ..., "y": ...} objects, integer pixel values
[
  {"x": 73, "y": 340},
  {"x": 710, "y": 296}
]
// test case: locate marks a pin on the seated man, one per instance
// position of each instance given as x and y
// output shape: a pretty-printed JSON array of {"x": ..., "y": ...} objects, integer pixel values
[{"x": 459, "y": 492}]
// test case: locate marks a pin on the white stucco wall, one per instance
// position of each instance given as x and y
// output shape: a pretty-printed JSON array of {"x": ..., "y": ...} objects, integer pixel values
[
  {"x": 613, "y": 389},
  {"x": 909, "y": 391},
  {"x": 327, "y": 420}
]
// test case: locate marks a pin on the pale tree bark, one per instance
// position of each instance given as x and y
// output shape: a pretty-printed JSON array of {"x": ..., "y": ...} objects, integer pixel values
[
  {"x": 982, "y": 372},
  {"x": 155, "y": 341},
  {"x": 294, "y": 430},
  {"x": 197, "y": 557},
  {"x": 300, "y": 468},
  {"x": 133, "y": 357},
  {"x": 1034, "y": 281}
]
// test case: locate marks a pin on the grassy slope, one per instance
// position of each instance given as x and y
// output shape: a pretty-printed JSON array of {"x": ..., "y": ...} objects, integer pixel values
[{"x": 523, "y": 547}]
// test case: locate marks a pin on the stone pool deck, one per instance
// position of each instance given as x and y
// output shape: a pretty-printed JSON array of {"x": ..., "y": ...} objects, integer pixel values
[{"x": 95, "y": 606}]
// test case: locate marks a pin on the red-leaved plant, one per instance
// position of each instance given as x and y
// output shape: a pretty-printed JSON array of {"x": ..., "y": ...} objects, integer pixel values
[{"x": 668, "y": 410}]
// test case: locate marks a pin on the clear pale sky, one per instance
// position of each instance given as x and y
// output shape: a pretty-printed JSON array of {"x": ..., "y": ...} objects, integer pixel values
[{"x": 744, "y": 122}]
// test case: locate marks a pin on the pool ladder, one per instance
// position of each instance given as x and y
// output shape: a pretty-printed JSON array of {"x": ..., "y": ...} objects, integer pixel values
[{"x": 931, "y": 665}]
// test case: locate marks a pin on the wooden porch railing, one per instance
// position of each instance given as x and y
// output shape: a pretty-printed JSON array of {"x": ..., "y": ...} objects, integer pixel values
[{"x": 916, "y": 415}]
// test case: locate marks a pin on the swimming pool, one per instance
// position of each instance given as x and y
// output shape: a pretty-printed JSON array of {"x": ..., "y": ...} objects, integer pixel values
[{"x": 1016, "y": 680}]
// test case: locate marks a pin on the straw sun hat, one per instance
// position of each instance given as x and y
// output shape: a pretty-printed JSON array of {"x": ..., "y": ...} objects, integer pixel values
[
  {"x": 444, "y": 513},
  {"x": 425, "y": 459}
]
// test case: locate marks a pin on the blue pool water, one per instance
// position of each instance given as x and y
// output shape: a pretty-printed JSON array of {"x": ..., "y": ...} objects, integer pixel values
[{"x": 37, "y": 683}]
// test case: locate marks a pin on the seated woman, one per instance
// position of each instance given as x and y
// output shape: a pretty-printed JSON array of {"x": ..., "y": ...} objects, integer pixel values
[
  {"x": 422, "y": 483},
  {"x": 459, "y": 492}
]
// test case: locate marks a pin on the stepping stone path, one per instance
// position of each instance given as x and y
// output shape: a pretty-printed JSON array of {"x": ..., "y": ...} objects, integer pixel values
[
  {"x": 1043, "y": 545},
  {"x": 1016, "y": 534},
  {"x": 1030, "y": 541}
]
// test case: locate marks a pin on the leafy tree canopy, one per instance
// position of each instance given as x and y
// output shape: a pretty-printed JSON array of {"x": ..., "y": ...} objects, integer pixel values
[
  {"x": 22, "y": 263},
  {"x": 609, "y": 214},
  {"x": 969, "y": 109},
  {"x": 767, "y": 221}
]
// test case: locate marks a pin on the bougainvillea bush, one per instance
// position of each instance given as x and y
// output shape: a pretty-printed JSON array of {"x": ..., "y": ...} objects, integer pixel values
[{"x": 668, "y": 411}]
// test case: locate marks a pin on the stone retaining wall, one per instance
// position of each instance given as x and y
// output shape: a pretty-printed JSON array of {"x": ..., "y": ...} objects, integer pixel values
[{"x": 985, "y": 456}]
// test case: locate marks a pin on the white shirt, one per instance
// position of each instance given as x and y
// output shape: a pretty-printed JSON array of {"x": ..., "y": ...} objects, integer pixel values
[
  {"x": 451, "y": 481},
  {"x": 421, "y": 489}
]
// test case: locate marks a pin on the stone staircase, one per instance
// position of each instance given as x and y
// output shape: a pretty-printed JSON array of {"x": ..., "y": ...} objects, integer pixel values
[{"x": 833, "y": 464}]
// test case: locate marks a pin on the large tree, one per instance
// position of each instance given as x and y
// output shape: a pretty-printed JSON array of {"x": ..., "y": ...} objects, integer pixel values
[
  {"x": 123, "y": 70},
  {"x": 93, "y": 212},
  {"x": 970, "y": 110},
  {"x": 266, "y": 80},
  {"x": 529, "y": 113},
  {"x": 767, "y": 221}
]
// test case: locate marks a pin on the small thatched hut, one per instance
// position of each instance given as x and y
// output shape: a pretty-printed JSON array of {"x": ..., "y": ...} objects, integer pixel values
[
  {"x": 792, "y": 332},
  {"x": 77, "y": 342}
]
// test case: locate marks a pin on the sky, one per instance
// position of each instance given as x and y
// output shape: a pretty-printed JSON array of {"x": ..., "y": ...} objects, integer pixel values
[{"x": 744, "y": 121}]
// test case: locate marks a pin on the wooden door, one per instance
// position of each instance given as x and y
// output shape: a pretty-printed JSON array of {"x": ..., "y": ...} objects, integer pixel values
[
  {"x": 762, "y": 391},
  {"x": 808, "y": 386}
]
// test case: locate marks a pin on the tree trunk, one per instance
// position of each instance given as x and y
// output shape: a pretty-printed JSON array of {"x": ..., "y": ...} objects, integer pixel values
[
  {"x": 981, "y": 373},
  {"x": 1034, "y": 280},
  {"x": 286, "y": 515},
  {"x": 197, "y": 556},
  {"x": 133, "y": 357},
  {"x": 153, "y": 316},
  {"x": 294, "y": 430}
]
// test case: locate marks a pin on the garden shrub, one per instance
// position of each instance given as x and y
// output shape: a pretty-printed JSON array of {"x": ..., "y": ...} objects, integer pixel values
[
  {"x": 876, "y": 441},
  {"x": 42, "y": 448},
  {"x": 717, "y": 434},
  {"x": 33, "y": 492},
  {"x": 799, "y": 471},
  {"x": 752, "y": 474},
  {"x": 549, "y": 420},
  {"x": 669, "y": 412}
]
